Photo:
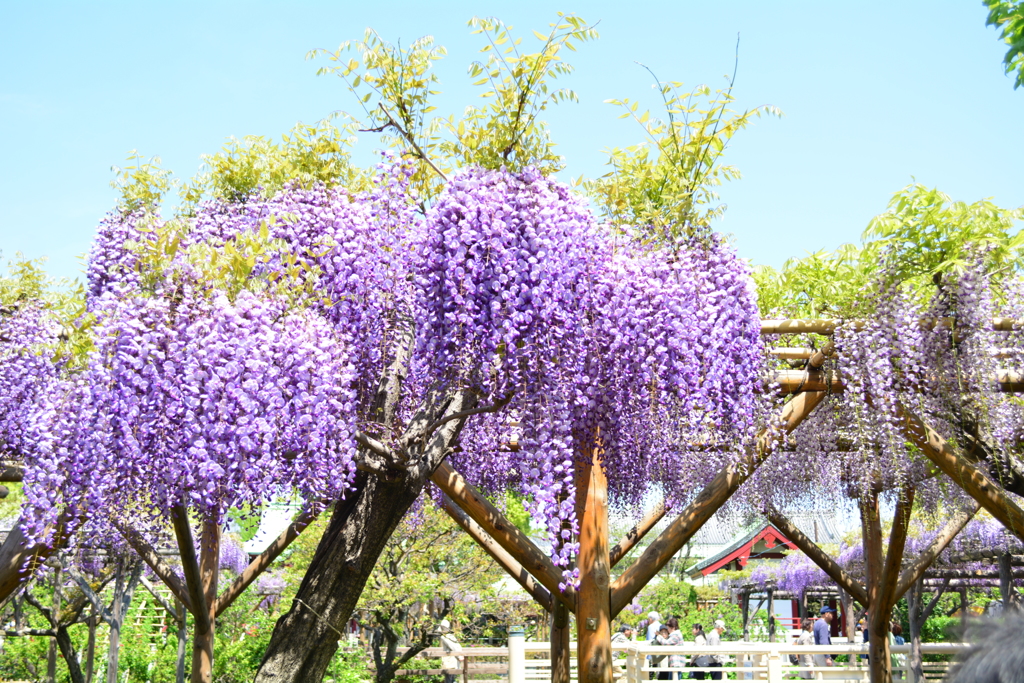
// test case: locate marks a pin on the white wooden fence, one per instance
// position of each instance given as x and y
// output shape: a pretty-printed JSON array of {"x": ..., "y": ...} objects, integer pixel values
[
  {"x": 634, "y": 663},
  {"x": 524, "y": 662}
]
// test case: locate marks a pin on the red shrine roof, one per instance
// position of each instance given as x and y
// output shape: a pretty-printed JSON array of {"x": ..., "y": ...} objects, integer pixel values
[{"x": 759, "y": 543}]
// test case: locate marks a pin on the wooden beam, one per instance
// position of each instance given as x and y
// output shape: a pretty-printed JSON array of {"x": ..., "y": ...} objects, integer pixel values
[
  {"x": 791, "y": 381},
  {"x": 828, "y": 326},
  {"x": 633, "y": 536},
  {"x": 260, "y": 563},
  {"x": 539, "y": 593},
  {"x": 712, "y": 497},
  {"x": 820, "y": 557},
  {"x": 12, "y": 472},
  {"x": 150, "y": 556},
  {"x": 966, "y": 475},
  {"x": 593, "y": 617},
  {"x": 946, "y": 534},
  {"x": 515, "y": 542}
]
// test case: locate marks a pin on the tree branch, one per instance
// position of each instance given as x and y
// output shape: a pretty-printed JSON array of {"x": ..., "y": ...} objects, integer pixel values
[
  {"x": 493, "y": 408},
  {"x": 155, "y": 562},
  {"x": 408, "y": 137},
  {"x": 927, "y": 611},
  {"x": 190, "y": 565}
]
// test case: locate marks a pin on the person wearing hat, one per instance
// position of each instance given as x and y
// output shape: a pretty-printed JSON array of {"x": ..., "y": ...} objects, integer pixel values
[
  {"x": 451, "y": 659},
  {"x": 823, "y": 634},
  {"x": 714, "y": 640},
  {"x": 623, "y": 635}
]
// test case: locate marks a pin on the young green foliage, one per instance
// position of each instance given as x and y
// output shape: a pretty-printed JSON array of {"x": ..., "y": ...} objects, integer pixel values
[
  {"x": 394, "y": 86},
  {"x": 1008, "y": 17},
  {"x": 507, "y": 132},
  {"x": 923, "y": 236},
  {"x": 307, "y": 156},
  {"x": 142, "y": 185},
  {"x": 665, "y": 187}
]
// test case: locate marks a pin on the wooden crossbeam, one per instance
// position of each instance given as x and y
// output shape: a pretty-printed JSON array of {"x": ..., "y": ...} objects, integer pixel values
[
  {"x": 504, "y": 559},
  {"x": 515, "y": 542},
  {"x": 972, "y": 479},
  {"x": 263, "y": 560},
  {"x": 708, "y": 501},
  {"x": 828, "y": 326},
  {"x": 791, "y": 381},
  {"x": 811, "y": 549},
  {"x": 633, "y": 536},
  {"x": 919, "y": 566}
]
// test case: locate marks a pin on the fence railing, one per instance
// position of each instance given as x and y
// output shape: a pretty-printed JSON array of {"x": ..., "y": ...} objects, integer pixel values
[{"x": 640, "y": 662}]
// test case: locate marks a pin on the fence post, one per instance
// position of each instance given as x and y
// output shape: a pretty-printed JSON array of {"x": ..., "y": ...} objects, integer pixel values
[
  {"x": 516, "y": 655},
  {"x": 774, "y": 666}
]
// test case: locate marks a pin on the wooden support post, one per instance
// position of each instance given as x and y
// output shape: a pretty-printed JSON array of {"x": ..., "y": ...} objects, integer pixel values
[
  {"x": 208, "y": 569},
  {"x": 633, "y": 536},
  {"x": 894, "y": 553},
  {"x": 561, "y": 652},
  {"x": 712, "y": 497},
  {"x": 746, "y": 616},
  {"x": 819, "y": 557},
  {"x": 538, "y": 592},
  {"x": 593, "y": 616},
  {"x": 515, "y": 542},
  {"x": 1006, "y": 588},
  {"x": 771, "y": 615},
  {"x": 878, "y": 619},
  {"x": 917, "y": 568},
  {"x": 964, "y": 474}
]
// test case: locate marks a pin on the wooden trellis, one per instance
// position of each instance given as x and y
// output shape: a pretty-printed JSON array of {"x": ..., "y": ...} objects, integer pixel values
[{"x": 599, "y": 599}]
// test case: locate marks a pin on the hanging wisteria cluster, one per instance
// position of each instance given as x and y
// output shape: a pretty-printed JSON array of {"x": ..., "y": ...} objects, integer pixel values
[
  {"x": 605, "y": 349},
  {"x": 236, "y": 350},
  {"x": 938, "y": 357}
]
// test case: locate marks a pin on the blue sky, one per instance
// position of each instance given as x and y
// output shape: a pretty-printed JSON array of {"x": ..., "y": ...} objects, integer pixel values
[{"x": 874, "y": 93}]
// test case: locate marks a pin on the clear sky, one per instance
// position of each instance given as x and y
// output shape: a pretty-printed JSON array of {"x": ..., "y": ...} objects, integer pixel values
[{"x": 874, "y": 93}]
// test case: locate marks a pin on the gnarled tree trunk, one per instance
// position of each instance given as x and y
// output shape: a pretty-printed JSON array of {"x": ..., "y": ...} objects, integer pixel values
[{"x": 305, "y": 639}]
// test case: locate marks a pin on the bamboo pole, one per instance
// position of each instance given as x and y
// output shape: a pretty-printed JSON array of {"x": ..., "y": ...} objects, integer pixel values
[
  {"x": 917, "y": 568},
  {"x": 593, "y": 616},
  {"x": 966, "y": 475},
  {"x": 820, "y": 557},
  {"x": 515, "y": 542},
  {"x": 712, "y": 497},
  {"x": 539, "y": 593},
  {"x": 634, "y": 535}
]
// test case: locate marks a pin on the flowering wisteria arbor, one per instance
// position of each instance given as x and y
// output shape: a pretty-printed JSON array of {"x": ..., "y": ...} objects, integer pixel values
[{"x": 351, "y": 343}]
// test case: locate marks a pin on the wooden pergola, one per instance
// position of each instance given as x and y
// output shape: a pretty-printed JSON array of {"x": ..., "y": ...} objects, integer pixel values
[{"x": 599, "y": 599}]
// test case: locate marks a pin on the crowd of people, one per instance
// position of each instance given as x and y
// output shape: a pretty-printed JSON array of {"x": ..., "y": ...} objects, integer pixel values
[{"x": 668, "y": 632}]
